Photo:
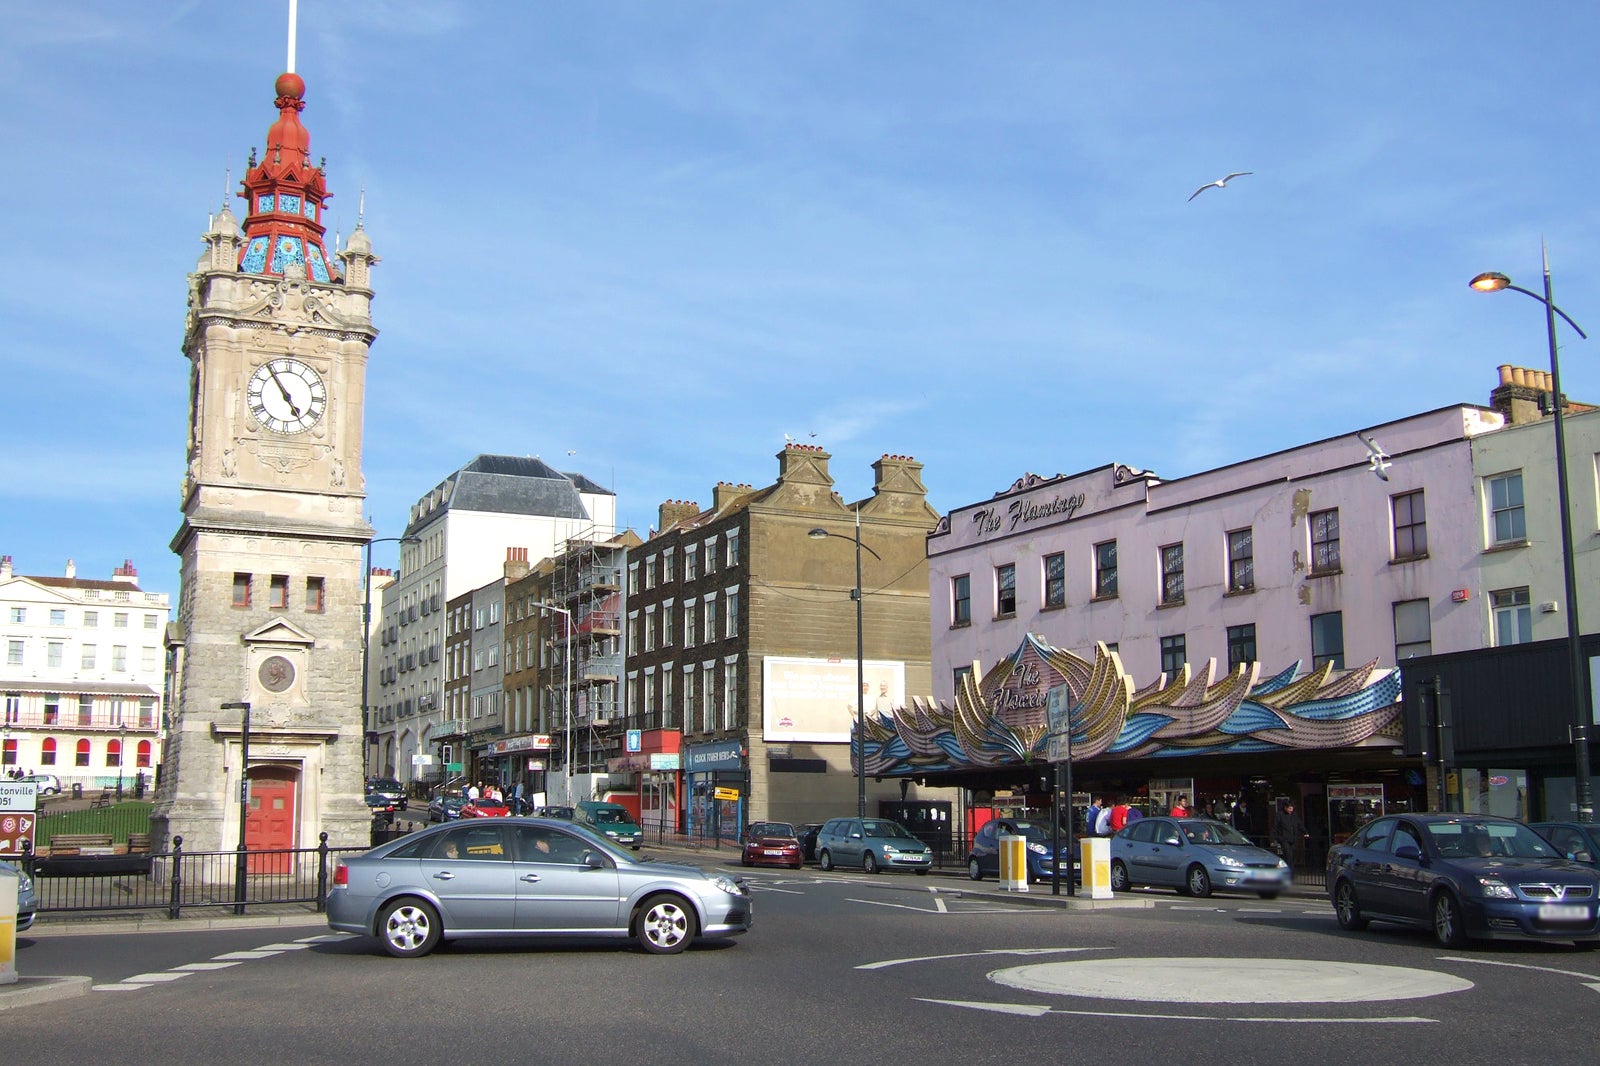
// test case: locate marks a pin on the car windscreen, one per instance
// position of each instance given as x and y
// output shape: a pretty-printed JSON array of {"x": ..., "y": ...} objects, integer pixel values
[
  {"x": 1213, "y": 833},
  {"x": 884, "y": 829},
  {"x": 612, "y": 817},
  {"x": 1465, "y": 838},
  {"x": 772, "y": 829}
]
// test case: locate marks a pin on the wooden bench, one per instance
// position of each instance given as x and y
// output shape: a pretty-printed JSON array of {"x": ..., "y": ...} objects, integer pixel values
[
  {"x": 138, "y": 843},
  {"x": 74, "y": 843},
  {"x": 105, "y": 799}
]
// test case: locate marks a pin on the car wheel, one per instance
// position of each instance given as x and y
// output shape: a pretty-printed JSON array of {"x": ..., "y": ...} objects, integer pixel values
[
  {"x": 824, "y": 860},
  {"x": 1269, "y": 894},
  {"x": 743, "y": 861},
  {"x": 1447, "y": 927},
  {"x": 1198, "y": 882},
  {"x": 869, "y": 863},
  {"x": 1346, "y": 908},
  {"x": 665, "y": 925},
  {"x": 974, "y": 871},
  {"x": 1119, "y": 877},
  {"x": 409, "y": 928}
]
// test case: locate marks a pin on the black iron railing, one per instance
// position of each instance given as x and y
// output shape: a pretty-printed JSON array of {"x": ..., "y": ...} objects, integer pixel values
[{"x": 176, "y": 880}]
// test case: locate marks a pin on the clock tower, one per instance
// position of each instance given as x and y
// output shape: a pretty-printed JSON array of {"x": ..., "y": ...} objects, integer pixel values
[{"x": 266, "y": 654}]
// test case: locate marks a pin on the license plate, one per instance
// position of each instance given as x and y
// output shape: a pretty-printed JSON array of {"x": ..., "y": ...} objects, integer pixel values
[
  {"x": 772, "y": 851},
  {"x": 1563, "y": 912}
]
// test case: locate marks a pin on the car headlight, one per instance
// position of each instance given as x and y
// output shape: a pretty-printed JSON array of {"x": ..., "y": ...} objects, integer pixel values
[
  {"x": 727, "y": 884},
  {"x": 24, "y": 882},
  {"x": 1283, "y": 864},
  {"x": 1038, "y": 849},
  {"x": 1229, "y": 860},
  {"x": 1495, "y": 888}
]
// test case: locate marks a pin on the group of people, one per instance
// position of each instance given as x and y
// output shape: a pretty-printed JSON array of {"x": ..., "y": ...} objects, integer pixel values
[
  {"x": 513, "y": 797},
  {"x": 1286, "y": 831},
  {"x": 17, "y": 773}
]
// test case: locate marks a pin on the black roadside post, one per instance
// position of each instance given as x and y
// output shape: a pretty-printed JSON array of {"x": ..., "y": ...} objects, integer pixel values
[
  {"x": 177, "y": 878},
  {"x": 1059, "y": 715},
  {"x": 240, "y": 870}
]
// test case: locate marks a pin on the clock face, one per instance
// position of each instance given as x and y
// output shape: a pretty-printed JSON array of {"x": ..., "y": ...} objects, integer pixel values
[{"x": 286, "y": 396}]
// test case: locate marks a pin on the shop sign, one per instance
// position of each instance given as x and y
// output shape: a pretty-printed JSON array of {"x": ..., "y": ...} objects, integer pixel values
[
  {"x": 665, "y": 760},
  {"x": 528, "y": 742},
  {"x": 627, "y": 764},
  {"x": 723, "y": 755},
  {"x": 1018, "y": 514}
]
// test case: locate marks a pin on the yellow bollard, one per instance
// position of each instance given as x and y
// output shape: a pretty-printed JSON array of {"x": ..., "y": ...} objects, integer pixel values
[
  {"x": 1013, "y": 863},
  {"x": 1095, "y": 855},
  {"x": 10, "y": 888}
]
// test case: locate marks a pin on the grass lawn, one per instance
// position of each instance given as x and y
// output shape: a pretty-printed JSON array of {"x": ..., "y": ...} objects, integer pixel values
[{"x": 119, "y": 819}]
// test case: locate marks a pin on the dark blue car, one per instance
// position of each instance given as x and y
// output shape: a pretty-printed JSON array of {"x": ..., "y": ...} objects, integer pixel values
[
  {"x": 984, "y": 858},
  {"x": 1463, "y": 876}
]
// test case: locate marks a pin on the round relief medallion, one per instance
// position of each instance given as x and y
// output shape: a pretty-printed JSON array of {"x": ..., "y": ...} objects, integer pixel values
[{"x": 276, "y": 674}]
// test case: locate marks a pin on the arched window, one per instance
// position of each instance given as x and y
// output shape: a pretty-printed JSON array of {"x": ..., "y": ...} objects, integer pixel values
[
  {"x": 142, "y": 754},
  {"x": 113, "y": 753},
  {"x": 47, "y": 752},
  {"x": 82, "y": 755}
]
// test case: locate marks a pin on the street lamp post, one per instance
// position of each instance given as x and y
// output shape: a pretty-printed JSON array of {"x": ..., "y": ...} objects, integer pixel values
[
  {"x": 241, "y": 868},
  {"x": 1583, "y": 798},
  {"x": 861, "y": 664},
  {"x": 566, "y": 763},
  {"x": 122, "y": 755},
  {"x": 369, "y": 735}
]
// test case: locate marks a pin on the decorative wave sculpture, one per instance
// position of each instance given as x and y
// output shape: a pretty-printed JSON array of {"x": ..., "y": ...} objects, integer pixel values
[{"x": 1001, "y": 719}]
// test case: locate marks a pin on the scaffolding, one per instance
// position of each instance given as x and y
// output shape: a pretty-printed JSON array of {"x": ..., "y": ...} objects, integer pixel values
[{"x": 586, "y": 580}]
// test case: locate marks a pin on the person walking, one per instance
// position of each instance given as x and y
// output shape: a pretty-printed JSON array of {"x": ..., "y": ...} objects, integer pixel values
[
  {"x": 1092, "y": 819},
  {"x": 1119, "y": 815},
  {"x": 1289, "y": 833},
  {"x": 1180, "y": 809}
]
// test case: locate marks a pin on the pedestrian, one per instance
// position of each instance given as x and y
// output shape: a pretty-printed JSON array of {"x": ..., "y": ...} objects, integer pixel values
[
  {"x": 1134, "y": 814},
  {"x": 1119, "y": 814},
  {"x": 1241, "y": 817},
  {"x": 1102, "y": 821},
  {"x": 472, "y": 792},
  {"x": 1180, "y": 809},
  {"x": 1289, "y": 833},
  {"x": 1092, "y": 819}
]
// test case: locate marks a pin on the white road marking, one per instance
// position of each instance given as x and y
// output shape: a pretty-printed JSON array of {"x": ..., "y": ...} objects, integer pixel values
[
  {"x": 1518, "y": 966},
  {"x": 152, "y": 978},
  {"x": 972, "y": 955},
  {"x": 1223, "y": 980},
  {"x": 324, "y": 938},
  {"x": 772, "y": 888},
  {"x": 940, "y": 907},
  {"x": 283, "y": 947},
  {"x": 116, "y": 988},
  {"x": 205, "y": 966},
  {"x": 1033, "y": 1011},
  {"x": 246, "y": 955}
]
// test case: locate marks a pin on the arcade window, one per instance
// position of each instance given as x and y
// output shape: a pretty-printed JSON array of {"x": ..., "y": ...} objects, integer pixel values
[
  {"x": 1172, "y": 574},
  {"x": 1055, "y": 580},
  {"x": 1413, "y": 630},
  {"x": 1005, "y": 590},
  {"x": 1241, "y": 560},
  {"x": 1174, "y": 653},
  {"x": 1327, "y": 639},
  {"x": 1325, "y": 541},
  {"x": 1105, "y": 570},
  {"x": 961, "y": 600},
  {"x": 1410, "y": 525},
  {"x": 1241, "y": 645}
]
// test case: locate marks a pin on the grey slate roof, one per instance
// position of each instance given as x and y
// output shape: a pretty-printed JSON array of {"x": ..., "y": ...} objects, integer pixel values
[{"x": 511, "y": 484}]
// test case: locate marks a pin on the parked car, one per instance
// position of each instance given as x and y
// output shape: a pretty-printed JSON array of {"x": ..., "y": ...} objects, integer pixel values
[
  {"x": 528, "y": 877},
  {"x": 871, "y": 843},
  {"x": 806, "y": 834},
  {"x": 983, "y": 860},
  {"x": 389, "y": 789},
  {"x": 43, "y": 784},
  {"x": 27, "y": 898},
  {"x": 1578, "y": 842},
  {"x": 564, "y": 813},
  {"x": 770, "y": 844},
  {"x": 445, "y": 808},
  {"x": 612, "y": 820},
  {"x": 1464, "y": 876},
  {"x": 378, "y": 803},
  {"x": 1195, "y": 856},
  {"x": 485, "y": 807}
]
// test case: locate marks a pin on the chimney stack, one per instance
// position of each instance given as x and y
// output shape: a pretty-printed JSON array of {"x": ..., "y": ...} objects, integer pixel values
[
  {"x": 725, "y": 492},
  {"x": 516, "y": 566},
  {"x": 5, "y": 566},
  {"x": 1523, "y": 395},
  {"x": 674, "y": 511}
]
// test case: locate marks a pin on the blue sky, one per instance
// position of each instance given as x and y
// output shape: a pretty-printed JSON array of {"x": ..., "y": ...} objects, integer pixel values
[{"x": 662, "y": 236}]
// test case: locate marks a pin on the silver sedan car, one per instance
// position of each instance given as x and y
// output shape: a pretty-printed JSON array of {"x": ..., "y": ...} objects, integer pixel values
[
  {"x": 532, "y": 877},
  {"x": 27, "y": 900},
  {"x": 1195, "y": 856}
]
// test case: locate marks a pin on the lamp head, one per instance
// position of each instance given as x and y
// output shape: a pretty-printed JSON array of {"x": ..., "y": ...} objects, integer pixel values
[
  {"x": 1490, "y": 281},
  {"x": 818, "y": 534}
]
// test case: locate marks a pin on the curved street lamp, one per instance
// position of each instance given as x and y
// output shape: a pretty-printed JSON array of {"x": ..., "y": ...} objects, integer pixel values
[
  {"x": 1583, "y": 799},
  {"x": 369, "y": 735},
  {"x": 861, "y": 664}
]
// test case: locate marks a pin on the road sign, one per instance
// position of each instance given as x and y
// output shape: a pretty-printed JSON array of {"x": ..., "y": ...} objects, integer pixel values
[
  {"x": 635, "y": 740},
  {"x": 19, "y": 806},
  {"x": 724, "y": 793}
]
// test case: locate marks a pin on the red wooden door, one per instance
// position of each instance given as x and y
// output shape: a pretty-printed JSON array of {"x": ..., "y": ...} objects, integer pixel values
[{"x": 270, "y": 824}]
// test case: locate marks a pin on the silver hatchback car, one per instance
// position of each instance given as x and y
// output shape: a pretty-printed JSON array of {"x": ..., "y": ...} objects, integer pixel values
[
  {"x": 532, "y": 877},
  {"x": 27, "y": 899},
  {"x": 873, "y": 844}
]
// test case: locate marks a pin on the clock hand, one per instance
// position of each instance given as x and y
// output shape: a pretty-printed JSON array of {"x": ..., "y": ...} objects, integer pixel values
[{"x": 294, "y": 408}]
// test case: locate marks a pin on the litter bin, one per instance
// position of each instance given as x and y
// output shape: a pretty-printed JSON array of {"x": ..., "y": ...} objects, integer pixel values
[{"x": 77, "y": 790}]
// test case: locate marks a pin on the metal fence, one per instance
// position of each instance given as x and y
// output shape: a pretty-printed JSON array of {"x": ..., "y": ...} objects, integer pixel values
[{"x": 176, "y": 880}]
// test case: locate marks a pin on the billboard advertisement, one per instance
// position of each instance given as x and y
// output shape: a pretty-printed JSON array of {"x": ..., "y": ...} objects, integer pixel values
[{"x": 815, "y": 699}]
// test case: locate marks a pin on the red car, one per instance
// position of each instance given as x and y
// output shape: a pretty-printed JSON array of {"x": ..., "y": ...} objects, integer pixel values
[
  {"x": 770, "y": 844},
  {"x": 484, "y": 807}
]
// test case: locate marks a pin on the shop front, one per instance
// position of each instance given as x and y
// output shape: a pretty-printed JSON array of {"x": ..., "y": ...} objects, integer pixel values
[
  {"x": 645, "y": 778},
  {"x": 522, "y": 764},
  {"x": 715, "y": 776}
]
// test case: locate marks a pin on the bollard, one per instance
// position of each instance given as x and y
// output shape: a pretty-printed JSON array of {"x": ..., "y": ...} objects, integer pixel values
[
  {"x": 1013, "y": 863},
  {"x": 177, "y": 877},
  {"x": 10, "y": 889},
  {"x": 1096, "y": 852}
]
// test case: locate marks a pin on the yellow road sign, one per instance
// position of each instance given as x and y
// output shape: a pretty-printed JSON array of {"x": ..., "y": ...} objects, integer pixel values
[{"x": 725, "y": 793}]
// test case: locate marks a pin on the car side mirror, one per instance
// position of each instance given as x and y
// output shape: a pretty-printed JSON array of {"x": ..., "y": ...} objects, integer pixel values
[
  {"x": 1408, "y": 851},
  {"x": 594, "y": 860}
]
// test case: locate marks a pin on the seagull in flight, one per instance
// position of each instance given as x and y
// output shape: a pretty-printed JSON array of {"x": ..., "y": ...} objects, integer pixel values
[
  {"x": 1220, "y": 182},
  {"x": 1377, "y": 458}
]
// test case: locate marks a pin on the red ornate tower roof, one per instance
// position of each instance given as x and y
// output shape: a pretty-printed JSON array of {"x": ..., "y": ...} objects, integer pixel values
[{"x": 285, "y": 194}]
